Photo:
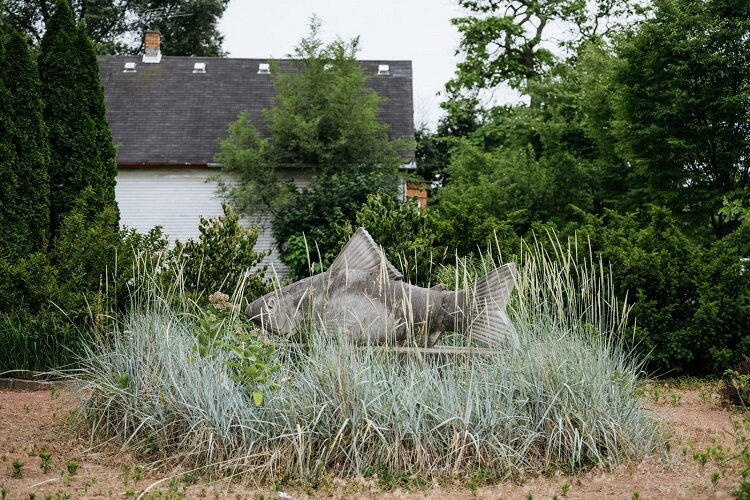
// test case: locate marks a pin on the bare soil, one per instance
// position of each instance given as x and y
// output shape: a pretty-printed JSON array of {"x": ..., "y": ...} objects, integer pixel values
[{"x": 703, "y": 457}]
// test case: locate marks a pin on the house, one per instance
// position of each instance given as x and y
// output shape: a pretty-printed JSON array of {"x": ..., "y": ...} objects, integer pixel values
[{"x": 168, "y": 114}]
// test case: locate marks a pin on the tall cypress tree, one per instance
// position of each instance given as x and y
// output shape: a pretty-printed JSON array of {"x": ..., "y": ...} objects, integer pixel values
[
  {"x": 26, "y": 214},
  {"x": 104, "y": 169},
  {"x": 82, "y": 155},
  {"x": 8, "y": 179}
]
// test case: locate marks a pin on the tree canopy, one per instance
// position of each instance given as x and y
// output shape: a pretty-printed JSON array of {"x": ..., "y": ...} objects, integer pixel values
[
  {"x": 323, "y": 121},
  {"x": 188, "y": 27},
  {"x": 684, "y": 105}
]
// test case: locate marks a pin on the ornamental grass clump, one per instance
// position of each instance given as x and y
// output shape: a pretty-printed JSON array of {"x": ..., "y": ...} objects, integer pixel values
[{"x": 564, "y": 399}]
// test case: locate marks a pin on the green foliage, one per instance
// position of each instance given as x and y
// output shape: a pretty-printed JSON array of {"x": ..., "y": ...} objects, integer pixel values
[
  {"x": 17, "y": 469},
  {"x": 431, "y": 154},
  {"x": 222, "y": 258},
  {"x": 691, "y": 304},
  {"x": 736, "y": 388},
  {"x": 403, "y": 230},
  {"x": 117, "y": 26},
  {"x": 45, "y": 460},
  {"x": 323, "y": 122},
  {"x": 246, "y": 350},
  {"x": 684, "y": 106},
  {"x": 329, "y": 201},
  {"x": 51, "y": 300},
  {"x": 81, "y": 146},
  {"x": 501, "y": 41},
  {"x": 24, "y": 152}
]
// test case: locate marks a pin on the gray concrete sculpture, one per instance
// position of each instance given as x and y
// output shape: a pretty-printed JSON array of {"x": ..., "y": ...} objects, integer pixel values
[{"x": 363, "y": 296}]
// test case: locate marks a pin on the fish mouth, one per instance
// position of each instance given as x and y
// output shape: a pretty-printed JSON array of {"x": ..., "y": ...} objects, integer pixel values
[{"x": 254, "y": 312}]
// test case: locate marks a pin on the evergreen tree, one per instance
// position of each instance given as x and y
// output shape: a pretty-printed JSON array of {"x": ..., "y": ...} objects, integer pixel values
[
  {"x": 105, "y": 168},
  {"x": 325, "y": 120},
  {"x": 24, "y": 216},
  {"x": 8, "y": 179},
  {"x": 82, "y": 152}
]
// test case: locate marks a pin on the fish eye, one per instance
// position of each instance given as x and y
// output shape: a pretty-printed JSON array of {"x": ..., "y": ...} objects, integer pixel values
[{"x": 271, "y": 304}]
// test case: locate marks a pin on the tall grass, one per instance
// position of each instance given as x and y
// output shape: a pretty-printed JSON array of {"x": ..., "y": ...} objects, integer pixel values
[{"x": 564, "y": 398}]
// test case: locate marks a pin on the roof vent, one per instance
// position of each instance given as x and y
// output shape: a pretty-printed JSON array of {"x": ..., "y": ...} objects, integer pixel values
[
  {"x": 129, "y": 67},
  {"x": 199, "y": 67},
  {"x": 384, "y": 69},
  {"x": 264, "y": 69}
]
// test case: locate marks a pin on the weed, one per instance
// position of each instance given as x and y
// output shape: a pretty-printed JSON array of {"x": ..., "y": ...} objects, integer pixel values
[
  {"x": 565, "y": 488},
  {"x": 26, "y": 408},
  {"x": 72, "y": 467},
  {"x": 675, "y": 399},
  {"x": 635, "y": 496},
  {"x": 715, "y": 478},
  {"x": 45, "y": 458},
  {"x": 17, "y": 469}
]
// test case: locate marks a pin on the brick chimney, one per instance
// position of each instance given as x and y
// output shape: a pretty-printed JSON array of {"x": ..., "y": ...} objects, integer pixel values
[{"x": 152, "y": 43}]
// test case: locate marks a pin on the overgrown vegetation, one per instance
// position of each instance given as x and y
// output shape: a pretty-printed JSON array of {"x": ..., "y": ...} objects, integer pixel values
[{"x": 565, "y": 399}]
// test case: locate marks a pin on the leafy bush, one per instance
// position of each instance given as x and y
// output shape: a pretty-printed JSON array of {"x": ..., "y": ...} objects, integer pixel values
[
  {"x": 329, "y": 202},
  {"x": 691, "y": 304},
  {"x": 53, "y": 302},
  {"x": 403, "y": 230},
  {"x": 222, "y": 257}
]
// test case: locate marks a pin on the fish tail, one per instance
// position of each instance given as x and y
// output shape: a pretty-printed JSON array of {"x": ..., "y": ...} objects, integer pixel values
[{"x": 486, "y": 301}]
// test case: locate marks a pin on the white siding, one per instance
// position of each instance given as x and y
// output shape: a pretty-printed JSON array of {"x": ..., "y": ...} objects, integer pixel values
[{"x": 174, "y": 198}]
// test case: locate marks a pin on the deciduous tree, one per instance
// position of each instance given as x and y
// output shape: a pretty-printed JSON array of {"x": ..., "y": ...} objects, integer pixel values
[
  {"x": 188, "y": 27},
  {"x": 684, "y": 106}
]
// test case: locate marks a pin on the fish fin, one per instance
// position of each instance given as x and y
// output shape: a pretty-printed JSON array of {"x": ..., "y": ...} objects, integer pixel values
[
  {"x": 361, "y": 253},
  {"x": 486, "y": 302}
]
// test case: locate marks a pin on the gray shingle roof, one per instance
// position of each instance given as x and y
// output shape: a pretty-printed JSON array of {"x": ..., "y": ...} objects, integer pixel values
[{"x": 165, "y": 114}]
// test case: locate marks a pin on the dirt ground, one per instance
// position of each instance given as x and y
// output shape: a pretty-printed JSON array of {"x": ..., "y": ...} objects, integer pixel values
[{"x": 703, "y": 458}]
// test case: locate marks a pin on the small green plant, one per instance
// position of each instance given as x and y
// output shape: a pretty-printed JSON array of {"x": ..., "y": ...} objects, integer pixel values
[
  {"x": 635, "y": 496},
  {"x": 17, "y": 469},
  {"x": 45, "y": 458},
  {"x": 72, "y": 467},
  {"x": 251, "y": 357},
  {"x": 675, "y": 399},
  {"x": 715, "y": 478},
  {"x": 565, "y": 488}
]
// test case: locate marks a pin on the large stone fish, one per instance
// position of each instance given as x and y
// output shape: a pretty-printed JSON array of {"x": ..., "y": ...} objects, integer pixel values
[{"x": 364, "y": 297}]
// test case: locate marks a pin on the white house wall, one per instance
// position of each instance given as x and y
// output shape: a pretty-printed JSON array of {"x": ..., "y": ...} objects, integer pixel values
[{"x": 175, "y": 198}]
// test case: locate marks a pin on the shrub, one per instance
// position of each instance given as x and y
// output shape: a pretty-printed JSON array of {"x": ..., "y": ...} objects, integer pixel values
[
  {"x": 329, "y": 202},
  {"x": 221, "y": 257},
  {"x": 403, "y": 230}
]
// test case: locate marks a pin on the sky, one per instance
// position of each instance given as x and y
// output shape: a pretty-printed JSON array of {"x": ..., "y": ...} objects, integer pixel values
[{"x": 416, "y": 30}]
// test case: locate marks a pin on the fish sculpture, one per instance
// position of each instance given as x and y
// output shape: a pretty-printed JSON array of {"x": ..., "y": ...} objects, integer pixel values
[{"x": 364, "y": 297}]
